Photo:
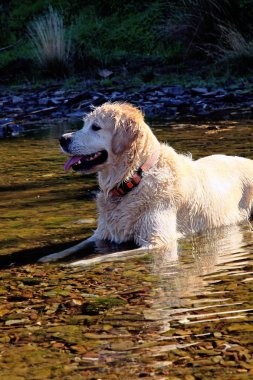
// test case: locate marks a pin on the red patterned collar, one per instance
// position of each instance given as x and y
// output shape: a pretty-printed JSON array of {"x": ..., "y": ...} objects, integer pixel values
[{"x": 127, "y": 186}]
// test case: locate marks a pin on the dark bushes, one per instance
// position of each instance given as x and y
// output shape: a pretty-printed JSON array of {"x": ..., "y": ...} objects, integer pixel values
[{"x": 157, "y": 33}]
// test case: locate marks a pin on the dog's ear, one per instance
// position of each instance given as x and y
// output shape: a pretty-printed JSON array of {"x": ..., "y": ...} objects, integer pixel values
[{"x": 125, "y": 134}]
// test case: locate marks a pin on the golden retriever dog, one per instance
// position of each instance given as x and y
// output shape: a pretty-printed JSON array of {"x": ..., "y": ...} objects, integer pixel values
[{"x": 150, "y": 194}]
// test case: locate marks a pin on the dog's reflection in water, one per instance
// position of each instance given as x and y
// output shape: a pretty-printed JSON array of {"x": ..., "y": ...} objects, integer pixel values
[{"x": 200, "y": 259}]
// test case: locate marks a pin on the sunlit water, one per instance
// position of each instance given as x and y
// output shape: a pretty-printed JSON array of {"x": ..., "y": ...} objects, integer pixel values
[{"x": 182, "y": 316}]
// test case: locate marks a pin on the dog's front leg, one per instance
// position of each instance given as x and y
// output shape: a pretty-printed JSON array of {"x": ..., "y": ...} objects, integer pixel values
[
  {"x": 156, "y": 231},
  {"x": 115, "y": 256},
  {"x": 69, "y": 251}
]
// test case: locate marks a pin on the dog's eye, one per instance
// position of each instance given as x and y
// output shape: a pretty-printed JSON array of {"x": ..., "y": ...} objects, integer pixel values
[{"x": 95, "y": 127}]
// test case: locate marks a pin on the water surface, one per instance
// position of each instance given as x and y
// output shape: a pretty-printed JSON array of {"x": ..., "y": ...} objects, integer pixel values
[{"x": 153, "y": 316}]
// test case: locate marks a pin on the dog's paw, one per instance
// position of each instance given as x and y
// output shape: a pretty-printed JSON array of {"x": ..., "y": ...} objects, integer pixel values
[{"x": 49, "y": 258}]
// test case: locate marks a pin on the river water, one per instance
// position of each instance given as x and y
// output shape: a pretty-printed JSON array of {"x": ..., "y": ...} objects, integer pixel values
[{"x": 152, "y": 316}]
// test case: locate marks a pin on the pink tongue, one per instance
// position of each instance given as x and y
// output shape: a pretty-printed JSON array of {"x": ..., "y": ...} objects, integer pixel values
[{"x": 71, "y": 162}]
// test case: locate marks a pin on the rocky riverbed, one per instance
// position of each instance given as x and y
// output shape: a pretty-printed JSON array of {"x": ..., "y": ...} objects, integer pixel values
[{"x": 25, "y": 106}]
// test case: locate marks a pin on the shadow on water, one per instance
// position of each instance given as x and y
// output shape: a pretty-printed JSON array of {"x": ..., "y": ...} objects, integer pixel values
[
  {"x": 31, "y": 256},
  {"x": 156, "y": 316}
]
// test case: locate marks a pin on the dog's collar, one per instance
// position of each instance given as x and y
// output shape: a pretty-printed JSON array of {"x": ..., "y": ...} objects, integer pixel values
[{"x": 125, "y": 187}]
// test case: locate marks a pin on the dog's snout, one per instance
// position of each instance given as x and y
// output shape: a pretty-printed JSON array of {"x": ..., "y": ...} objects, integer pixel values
[{"x": 65, "y": 141}]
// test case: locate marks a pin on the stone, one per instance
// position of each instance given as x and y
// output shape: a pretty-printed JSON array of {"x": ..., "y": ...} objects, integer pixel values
[
  {"x": 75, "y": 114},
  {"x": 6, "y": 120},
  {"x": 172, "y": 101},
  {"x": 10, "y": 130},
  {"x": 174, "y": 90},
  {"x": 199, "y": 90},
  {"x": 17, "y": 99},
  {"x": 44, "y": 102}
]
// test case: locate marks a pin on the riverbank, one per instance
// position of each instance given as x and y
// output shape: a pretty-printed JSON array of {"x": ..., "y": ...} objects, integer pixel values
[{"x": 25, "y": 105}]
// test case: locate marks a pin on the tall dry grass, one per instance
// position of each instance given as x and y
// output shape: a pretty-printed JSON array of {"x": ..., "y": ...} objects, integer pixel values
[
  {"x": 196, "y": 23},
  {"x": 51, "y": 44},
  {"x": 234, "y": 43},
  {"x": 234, "y": 49}
]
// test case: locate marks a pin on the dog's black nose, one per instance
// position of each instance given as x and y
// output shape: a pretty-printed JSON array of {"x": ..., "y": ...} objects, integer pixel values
[{"x": 64, "y": 141}]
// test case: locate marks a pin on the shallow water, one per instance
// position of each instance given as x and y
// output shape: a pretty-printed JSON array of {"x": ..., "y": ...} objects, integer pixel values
[{"x": 152, "y": 316}]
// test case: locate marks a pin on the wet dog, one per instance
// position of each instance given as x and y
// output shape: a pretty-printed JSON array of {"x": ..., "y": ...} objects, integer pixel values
[{"x": 150, "y": 194}]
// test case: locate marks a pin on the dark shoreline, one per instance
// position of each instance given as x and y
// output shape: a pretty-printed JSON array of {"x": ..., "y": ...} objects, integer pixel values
[{"x": 174, "y": 103}]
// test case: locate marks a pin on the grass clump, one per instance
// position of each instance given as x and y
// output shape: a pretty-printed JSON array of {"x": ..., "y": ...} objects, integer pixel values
[
  {"x": 50, "y": 42},
  {"x": 235, "y": 50},
  {"x": 196, "y": 24}
]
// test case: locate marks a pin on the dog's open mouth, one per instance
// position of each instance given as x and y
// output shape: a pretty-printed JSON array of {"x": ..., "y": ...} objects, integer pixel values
[{"x": 78, "y": 163}]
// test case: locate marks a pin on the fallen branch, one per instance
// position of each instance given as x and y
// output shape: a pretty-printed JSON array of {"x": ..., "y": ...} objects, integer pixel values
[{"x": 10, "y": 46}]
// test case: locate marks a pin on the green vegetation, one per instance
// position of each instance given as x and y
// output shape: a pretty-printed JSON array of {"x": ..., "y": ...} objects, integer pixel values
[
  {"x": 50, "y": 42},
  {"x": 121, "y": 36},
  {"x": 146, "y": 39}
]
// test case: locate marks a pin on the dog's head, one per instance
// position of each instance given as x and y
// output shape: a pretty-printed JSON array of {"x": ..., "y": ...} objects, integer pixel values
[{"x": 108, "y": 132}]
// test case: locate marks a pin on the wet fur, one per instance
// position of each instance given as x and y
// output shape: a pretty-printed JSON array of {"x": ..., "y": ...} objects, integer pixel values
[{"x": 176, "y": 197}]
